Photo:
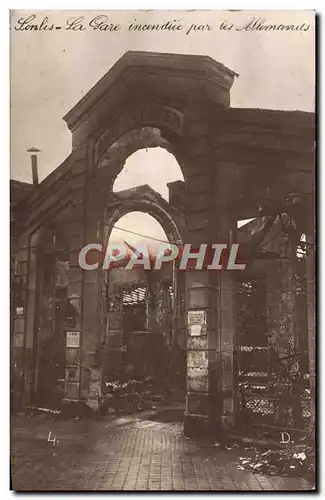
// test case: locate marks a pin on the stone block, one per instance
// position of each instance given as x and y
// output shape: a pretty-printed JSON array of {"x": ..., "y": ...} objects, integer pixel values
[
  {"x": 197, "y": 342},
  {"x": 197, "y": 380},
  {"x": 90, "y": 297},
  {"x": 89, "y": 340},
  {"x": 227, "y": 422},
  {"x": 198, "y": 183},
  {"x": 23, "y": 254},
  {"x": 198, "y": 279},
  {"x": 22, "y": 268},
  {"x": 19, "y": 325},
  {"x": 114, "y": 322},
  {"x": 72, "y": 374},
  {"x": 71, "y": 390},
  {"x": 74, "y": 257},
  {"x": 91, "y": 279},
  {"x": 89, "y": 355},
  {"x": 199, "y": 146},
  {"x": 75, "y": 274},
  {"x": 196, "y": 202},
  {"x": 197, "y": 359},
  {"x": 79, "y": 167},
  {"x": 198, "y": 403},
  {"x": 75, "y": 227},
  {"x": 72, "y": 356},
  {"x": 75, "y": 289},
  {"x": 202, "y": 298},
  {"x": 18, "y": 342},
  {"x": 197, "y": 220},
  {"x": 76, "y": 212},
  {"x": 196, "y": 426},
  {"x": 114, "y": 339},
  {"x": 78, "y": 181},
  {"x": 76, "y": 241},
  {"x": 197, "y": 236},
  {"x": 77, "y": 196}
]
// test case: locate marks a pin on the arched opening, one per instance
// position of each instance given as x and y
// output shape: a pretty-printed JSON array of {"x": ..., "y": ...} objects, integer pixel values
[
  {"x": 155, "y": 167},
  {"x": 142, "y": 156},
  {"x": 136, "y": 227},
  {"x": 143, "y": 321},
  {"x": 143, "y": 341}
]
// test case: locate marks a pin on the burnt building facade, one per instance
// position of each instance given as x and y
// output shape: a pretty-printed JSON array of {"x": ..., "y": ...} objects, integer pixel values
[{"x": 237, "y": 164}]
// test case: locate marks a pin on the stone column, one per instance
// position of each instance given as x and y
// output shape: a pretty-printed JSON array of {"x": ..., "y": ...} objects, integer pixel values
[
  {"x": 30, "y": 340},
  {"x": 83, "y": 361},
  {"x": 210, "y": 407},
  {"x": 210, "y": 299},
  {"x": 23, "y": 293},
  {"x": 114, "y": 331},
  {"x": 225, "y": 282},
  {"x": 74, "y": 335},
  {"x": 201, "y": 352}
]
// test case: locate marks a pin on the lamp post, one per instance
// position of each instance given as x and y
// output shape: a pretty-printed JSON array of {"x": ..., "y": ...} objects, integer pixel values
[{"x": 34, "y": 152}]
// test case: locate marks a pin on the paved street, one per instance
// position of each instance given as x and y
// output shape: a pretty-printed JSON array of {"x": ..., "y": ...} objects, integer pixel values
[{"x": 141, "y": 452}]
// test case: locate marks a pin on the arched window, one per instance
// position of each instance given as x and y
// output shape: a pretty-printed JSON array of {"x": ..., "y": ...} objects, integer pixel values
[
  {"x": 136, "y": 228},
  {"x": 153, "y": 166}
]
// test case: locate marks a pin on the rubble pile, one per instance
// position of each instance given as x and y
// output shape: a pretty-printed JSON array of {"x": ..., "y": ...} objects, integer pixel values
[
  {"x": 296, "y": 461},
  {"x": 130, "y": 396}
]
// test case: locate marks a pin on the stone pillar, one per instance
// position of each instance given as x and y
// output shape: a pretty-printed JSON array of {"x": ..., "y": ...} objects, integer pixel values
[
  {"x": 74, "y": 335},
  {"x": 114, "y": 331},
  {"x": 226, "y": 232},
  {"x": 29, "y": 344},
  {"x": 83, "y": 360},
  {"x": 210, "y": 399},
  {"x": 23, "y": 289},
  {"x": 201, "y": 353},
  {"x": 210, "y": 405}
]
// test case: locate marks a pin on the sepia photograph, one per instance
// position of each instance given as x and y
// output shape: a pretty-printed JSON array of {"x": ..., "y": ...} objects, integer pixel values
[{"x": 162, "y": 251}]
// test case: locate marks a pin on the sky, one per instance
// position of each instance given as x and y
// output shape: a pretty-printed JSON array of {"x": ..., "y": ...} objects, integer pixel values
[{"x": 52, "y": 70}]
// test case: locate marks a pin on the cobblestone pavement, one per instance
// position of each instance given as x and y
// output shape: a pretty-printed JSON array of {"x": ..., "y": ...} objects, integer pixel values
[{"x": 126, "y": 453}]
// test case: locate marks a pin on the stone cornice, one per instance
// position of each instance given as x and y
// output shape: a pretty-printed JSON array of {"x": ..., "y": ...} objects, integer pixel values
[
  {"x": 268, "y": 118},
  {"x": 140, "y": 65}
]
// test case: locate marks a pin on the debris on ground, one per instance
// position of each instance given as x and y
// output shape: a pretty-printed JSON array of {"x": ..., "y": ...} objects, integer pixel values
[
  {"x": 118, "y": 397},
  {"x": 298, "y": 461},
  {"x": 130, "y": 396},
  {"x": 34, "y": 411}
]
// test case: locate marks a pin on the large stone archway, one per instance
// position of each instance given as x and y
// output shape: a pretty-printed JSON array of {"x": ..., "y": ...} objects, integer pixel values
[
  {"x": 181, "y": 103},
  {"x": 176, "y": 95}
]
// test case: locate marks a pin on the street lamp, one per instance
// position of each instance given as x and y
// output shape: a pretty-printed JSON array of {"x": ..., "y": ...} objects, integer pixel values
[{"x": 34, "y": 152}]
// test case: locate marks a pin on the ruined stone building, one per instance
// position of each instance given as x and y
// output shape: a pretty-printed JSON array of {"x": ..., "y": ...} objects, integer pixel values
[{"x": 72, "y": 329}]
